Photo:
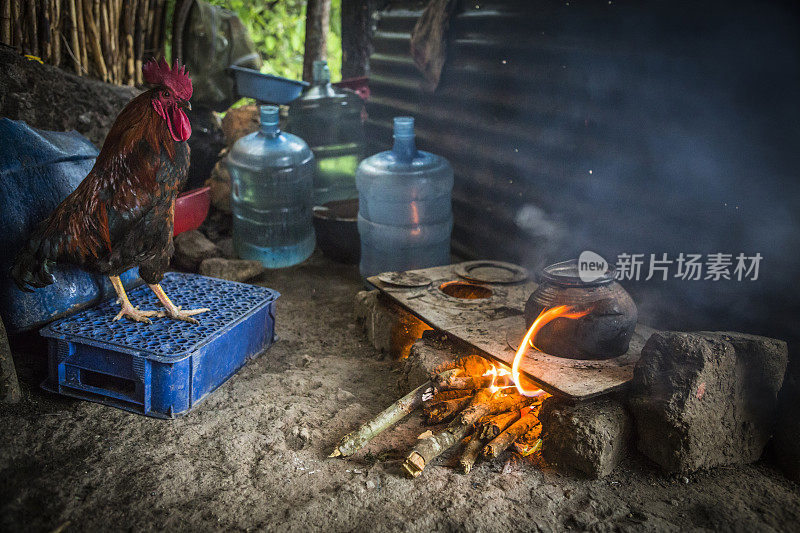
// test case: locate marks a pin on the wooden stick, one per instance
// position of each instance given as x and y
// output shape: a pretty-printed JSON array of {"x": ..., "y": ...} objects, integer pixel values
[
  {"x": 499, "y": 404},
  {"x": 82, "y": 37},
  {"x": 76, "y": 50},
  {"x": 158, "y": 28},
  {"x": 33, "y": 33},
  {"x": 352, "y": 442},
  {"x": 318, "y": 14},
  {"x": 470, "y": 365},
  {"x": 130, "y": 9},
  {"x": 431, "y": 447},
  {"x": 55, "y": 33},
  {"x": 5, "y": 27},
  {"x": 105, "y": 34},
  {"x": 16, "y": 26},
  {"x": 472, "y": 450},
  {"x": 467, "y": 382},
  {"x": 442, "y": 396},
  {"x": 437, "y": 413},
  {"x": 507, "y": 437},
  {"x": 94, "y": 39},
  {"x": 492, "y": 426},
  {"x": 45, "y": 23},
  {"x": 139, "y": 35}
]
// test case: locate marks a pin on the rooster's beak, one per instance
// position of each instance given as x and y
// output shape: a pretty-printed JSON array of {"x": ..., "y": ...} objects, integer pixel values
[{"x": 187, "y": 104}]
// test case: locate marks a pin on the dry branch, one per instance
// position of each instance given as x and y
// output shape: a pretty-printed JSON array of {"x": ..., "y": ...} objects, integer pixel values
[
  {"x": 76, "y": 48},
  {"x": 84, "y": 56},
  {"x": 472, "y": 449},
  {"x": 94, "y": 39},
  {"x": 464, "y": 382},
  {"x": 507, "y": 437},
  {"x": 492, "y": 426},
  {"x": 441, "y": 396},
  {"x": 431, "y": 447},
  {"x": 5, "y": 27},
  {"x": 499, "y": 404},
  {"x": 439, "y": 412},
  {"x": 17, "y": 27},
  {"x": 354, "y": 441}
]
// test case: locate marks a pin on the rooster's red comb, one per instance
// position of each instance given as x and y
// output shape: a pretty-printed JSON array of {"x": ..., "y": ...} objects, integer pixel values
[{"x": 158, "y": 72}]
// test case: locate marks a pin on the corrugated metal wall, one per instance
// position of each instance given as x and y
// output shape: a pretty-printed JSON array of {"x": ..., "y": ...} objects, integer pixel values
[{"x": 615, "y": 126}]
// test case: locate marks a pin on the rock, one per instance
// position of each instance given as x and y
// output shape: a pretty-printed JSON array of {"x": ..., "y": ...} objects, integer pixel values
[
  {"x": 376, "y": 319},
  {"x": 389, "y": 327},
  {"x": 191, "y": 248},
  {"x": 220, "y": 183},
  {"x": 786, "y": 441},
  {"x": 231, "y": 269},
  {"x": 239, "y": 122},
  {"x": 706, "y": 399},
  {"x": 431, "y": 351},
  {"x": 226, "y": 247},
  {"x": 589, "y": 437},
  {"x": 9, "y": 386}
]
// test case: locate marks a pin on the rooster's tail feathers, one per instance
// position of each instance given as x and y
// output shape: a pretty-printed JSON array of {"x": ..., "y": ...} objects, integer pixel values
[{"x": 32, "y": 267}]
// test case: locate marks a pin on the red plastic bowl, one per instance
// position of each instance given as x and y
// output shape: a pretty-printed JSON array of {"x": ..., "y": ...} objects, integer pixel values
[{"x": 191, "y": 209}]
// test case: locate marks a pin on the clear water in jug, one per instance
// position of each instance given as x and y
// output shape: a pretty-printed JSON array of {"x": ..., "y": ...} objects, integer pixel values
[
  {"x": 271, "y": 189},
  {"x": 329, "y": 120},
  {"x": 405, "y": 216}
]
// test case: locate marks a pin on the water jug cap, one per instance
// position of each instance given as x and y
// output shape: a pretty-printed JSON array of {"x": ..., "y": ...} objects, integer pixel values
[
  {"x": 320, "y": 72},
  {"x": 269, "y": 116},
  {"x": 403, "y": 127}
]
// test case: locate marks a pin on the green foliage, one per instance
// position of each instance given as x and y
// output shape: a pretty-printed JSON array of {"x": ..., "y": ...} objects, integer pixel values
[{"x": 277, "y": 28}]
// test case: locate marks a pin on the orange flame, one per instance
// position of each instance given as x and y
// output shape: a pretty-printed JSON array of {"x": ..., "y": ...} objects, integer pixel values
[
  {"x": 546, "y": 316},
  {"x": 496, "y": 372}
]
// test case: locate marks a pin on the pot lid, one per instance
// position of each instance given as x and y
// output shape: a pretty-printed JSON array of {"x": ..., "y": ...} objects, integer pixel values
[{"x": 568, "y": 274}]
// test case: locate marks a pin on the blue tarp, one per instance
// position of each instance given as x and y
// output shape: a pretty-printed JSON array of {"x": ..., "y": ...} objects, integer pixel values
[{"x": 38, "y": 169}]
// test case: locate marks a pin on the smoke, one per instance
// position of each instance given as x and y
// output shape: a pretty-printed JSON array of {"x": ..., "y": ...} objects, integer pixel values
[{"x": 689, "y": 143}]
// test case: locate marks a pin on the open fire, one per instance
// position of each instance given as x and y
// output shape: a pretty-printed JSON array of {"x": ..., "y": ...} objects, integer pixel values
[{"x": 488, "y": 407}]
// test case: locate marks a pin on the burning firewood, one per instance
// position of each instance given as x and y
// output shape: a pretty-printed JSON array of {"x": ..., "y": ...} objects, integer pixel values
[
  {"x": 507, "y": 437},
  {"x": 524, "y": 449},
  {"x": 439, "y": 412},
  {"x": 472, "y": 449},
  {"x": 431, "y": 447},
  {"x": 352, "y": 442},
  {"x": 471, "y": 365},
  {"x": 469, "y": 382},
  {"x": 492, "y": 426},
  {"x": 483, "y": 404}
]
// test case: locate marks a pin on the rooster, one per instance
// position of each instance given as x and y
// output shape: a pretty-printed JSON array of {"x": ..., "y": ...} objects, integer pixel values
[{"x": 122, "y": 214}]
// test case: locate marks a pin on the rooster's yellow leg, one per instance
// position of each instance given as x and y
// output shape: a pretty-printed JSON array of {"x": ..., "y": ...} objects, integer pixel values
[
  {"x": 129, "y": 311},
  {"x": 173, "y": 311}
]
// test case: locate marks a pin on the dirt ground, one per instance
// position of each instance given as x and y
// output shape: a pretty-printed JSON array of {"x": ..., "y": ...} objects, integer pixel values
[{"x": 253, "y": 456}]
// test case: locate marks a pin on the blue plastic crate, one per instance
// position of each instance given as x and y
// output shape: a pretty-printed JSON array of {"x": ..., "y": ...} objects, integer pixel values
[{"x": 165, "y": 368}]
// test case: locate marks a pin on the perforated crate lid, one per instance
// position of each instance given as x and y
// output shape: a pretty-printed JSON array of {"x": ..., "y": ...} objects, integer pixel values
[{"x": 165, "y": 339}]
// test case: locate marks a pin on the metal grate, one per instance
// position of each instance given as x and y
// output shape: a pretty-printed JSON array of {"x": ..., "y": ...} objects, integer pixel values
[{"x": 229, "y": 302}]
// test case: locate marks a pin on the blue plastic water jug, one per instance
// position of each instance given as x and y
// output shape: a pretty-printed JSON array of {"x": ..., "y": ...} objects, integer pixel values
[
  {"x": 405, "y": 216},
  {"x": 329, "y": 120},
  {"x": 271, "y": 186}
]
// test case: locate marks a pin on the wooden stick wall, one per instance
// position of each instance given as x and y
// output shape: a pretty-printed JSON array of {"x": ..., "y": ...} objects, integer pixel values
[{"x": 104, "y": 39}]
